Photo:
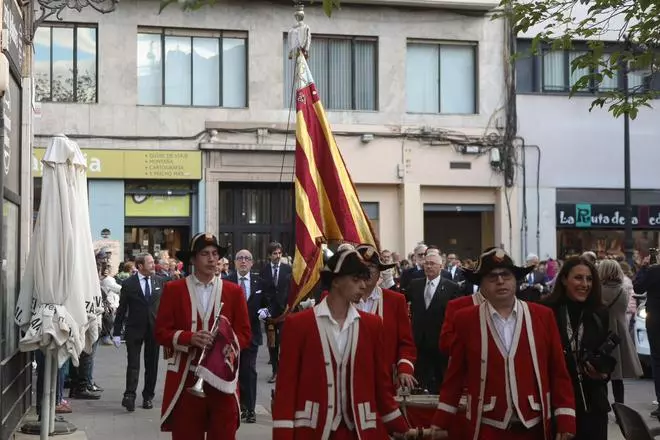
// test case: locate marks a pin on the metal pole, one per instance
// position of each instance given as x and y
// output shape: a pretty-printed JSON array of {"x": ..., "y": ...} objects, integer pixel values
[
  {"x": 53, "y": 392},
  {"x": 628, "y": 231},
  {"x": 45, "y": 399}
]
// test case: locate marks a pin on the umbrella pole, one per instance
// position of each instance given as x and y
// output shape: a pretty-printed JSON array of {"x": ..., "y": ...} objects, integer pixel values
[
  {"x": 45, "y": 399},
  {"x": 53, "y": 392}
]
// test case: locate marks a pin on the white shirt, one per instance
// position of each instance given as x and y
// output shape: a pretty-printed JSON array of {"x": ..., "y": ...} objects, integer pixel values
[
  {"x": 505, "y": 327},
  {"x": 433, "y": 285},
  {"x": 203, "y": 291},
  {"x": 246, "y": 281},
  {"x": 340, "y": 334},
  {"x": 272, "y": 272},
  {"x": 142, "y": 278},
  {"x": 368, "y": 305}
]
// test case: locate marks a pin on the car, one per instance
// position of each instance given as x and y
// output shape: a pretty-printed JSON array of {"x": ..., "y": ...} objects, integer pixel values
[{"x": 642, "y": 340}]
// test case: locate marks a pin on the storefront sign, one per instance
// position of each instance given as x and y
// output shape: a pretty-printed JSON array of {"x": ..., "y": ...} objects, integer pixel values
[
  {"x": 12, "y": 23},
  {"x": 11, "y": 138},
  {"x": 588, "y": 216},
  {"x": 135, "y": 164},
  {"x": 156, "y": 206}
]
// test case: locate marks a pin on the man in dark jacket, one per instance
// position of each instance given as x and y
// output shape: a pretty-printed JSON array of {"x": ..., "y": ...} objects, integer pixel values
[
  {"x": 138, "y": 307},
  {"x": 256, "y": 301},
  {"x": 647, "y": 282},
  {"x": 428, "y": 298},
  {"x": 276, "y": 278}
]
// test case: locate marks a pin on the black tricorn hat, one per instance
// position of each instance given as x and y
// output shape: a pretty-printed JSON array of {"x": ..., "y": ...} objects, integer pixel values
[
  {"x": 199, "y": 242},
  {"x": 495, "y": 258},
  {"x": 347, "y": 261},
  {"x": 371, "y": 255}
]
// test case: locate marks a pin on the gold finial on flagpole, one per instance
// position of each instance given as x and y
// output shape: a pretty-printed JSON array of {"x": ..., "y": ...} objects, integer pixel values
[{"x": 300, "y": 36}]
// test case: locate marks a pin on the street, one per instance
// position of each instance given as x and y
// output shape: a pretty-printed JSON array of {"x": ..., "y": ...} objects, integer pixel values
[{"x": 106, "y": 419}]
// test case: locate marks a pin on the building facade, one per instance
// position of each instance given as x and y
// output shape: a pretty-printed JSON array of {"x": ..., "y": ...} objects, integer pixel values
[
  {"x": 15, "y": 366},
  {"x": 574, "y": 170},
  {"x": 414, "y": 91}
]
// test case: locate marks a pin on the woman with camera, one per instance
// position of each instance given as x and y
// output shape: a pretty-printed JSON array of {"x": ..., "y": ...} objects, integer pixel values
[{"x": 584, "y": 329}]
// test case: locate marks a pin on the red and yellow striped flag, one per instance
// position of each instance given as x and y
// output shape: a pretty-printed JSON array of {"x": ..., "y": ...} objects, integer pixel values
[{"x": 327, "y": 205}]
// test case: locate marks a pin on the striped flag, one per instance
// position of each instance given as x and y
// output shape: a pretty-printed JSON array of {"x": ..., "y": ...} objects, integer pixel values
[{"x": 327, "y": 204}]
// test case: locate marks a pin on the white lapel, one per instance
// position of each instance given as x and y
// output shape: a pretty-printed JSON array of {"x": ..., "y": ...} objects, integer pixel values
[
  {"x": 483, "y": 311},
  {"x": 194, "y": 304},
  {"x": 535, "y": 362},
  {"x": 329, "y": 374}
]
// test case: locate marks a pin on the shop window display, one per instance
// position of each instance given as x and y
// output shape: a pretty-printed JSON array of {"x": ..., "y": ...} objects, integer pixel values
[{"x": 605, "y": 243}]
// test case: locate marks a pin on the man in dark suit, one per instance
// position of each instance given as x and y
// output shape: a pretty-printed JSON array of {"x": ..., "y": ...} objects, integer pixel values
[
  {"x": 429, "y": 297},
  {"x": 276, "y": 279},
  {"x": 138, "y": 307},
  {"x": 533, "y": 287},
  {"x": 256, "y": 301},
  {"x": 416, "y": 271}
]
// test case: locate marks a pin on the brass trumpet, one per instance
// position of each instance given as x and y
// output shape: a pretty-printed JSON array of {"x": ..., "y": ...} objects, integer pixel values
[{"x": 198, "y": 388}]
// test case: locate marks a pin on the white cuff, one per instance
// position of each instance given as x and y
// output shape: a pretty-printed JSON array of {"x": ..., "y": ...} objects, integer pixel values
[
  {"x": 283, "y": 424},
  {"x": 565, "y": 412},
  {"x": 175, "y": 342},
  {"x": 406, "y": 361}
]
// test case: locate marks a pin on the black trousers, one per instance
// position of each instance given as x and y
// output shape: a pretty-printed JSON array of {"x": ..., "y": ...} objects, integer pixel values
[
  {"x": 591, "y": 426},
  {"x": 274, "y": 352},
  {"x": 653, "y": 333},
  {"x": 247, "y": 377},
  {"x": 151, "y": 353},
  {"x": 429, "y": 369}
]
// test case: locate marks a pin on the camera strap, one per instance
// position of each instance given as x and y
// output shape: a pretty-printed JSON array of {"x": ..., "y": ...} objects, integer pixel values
[{"x": 574, "y": 342}]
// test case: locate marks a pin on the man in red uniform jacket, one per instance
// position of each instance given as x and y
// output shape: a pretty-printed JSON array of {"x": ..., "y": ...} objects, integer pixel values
[
  {"x": 333, "y": 382},
  {"x": 400, "y": 351},
  {"x": 453, "y": 306},
  {"x": 509, "y": 356},
  {"x": 186, "y": 315}
]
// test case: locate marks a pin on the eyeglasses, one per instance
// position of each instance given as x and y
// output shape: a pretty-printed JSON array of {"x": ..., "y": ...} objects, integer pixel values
[
  {"x": 243, "y": 258},
  {"x": 494, "y": 276}
]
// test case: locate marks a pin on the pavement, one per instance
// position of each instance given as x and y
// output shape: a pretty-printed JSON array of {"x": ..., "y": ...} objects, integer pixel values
[{"x": 106, "y": 419}]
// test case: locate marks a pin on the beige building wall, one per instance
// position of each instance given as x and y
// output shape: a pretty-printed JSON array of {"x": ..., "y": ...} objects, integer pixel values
[{"x": 399, "y": 169}]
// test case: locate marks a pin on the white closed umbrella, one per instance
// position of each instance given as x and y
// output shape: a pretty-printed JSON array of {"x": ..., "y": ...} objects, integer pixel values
[{"x": 60, "y": 299}]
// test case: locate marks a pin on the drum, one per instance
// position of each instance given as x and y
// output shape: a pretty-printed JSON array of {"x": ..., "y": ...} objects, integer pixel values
[{"x": 419, "y": 409}]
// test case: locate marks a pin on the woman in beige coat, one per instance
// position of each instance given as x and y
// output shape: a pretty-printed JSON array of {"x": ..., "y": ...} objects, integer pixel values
[{"x": 615, "y": 298}]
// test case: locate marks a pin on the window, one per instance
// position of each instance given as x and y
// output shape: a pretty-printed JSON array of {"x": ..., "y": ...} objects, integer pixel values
[
  {"x": 372, "y": 211},
  {"x": 441, "y": 78},
  {"x": 10, "y": 281},
  {"x": 344, "y": 70},
  {"x": 200, "y": 68},
  {"x": 65, "y": 63},
  {"x": 552, "y": 72}
]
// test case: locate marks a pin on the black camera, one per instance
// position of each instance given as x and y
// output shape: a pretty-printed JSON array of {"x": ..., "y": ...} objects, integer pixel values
[
  {"x": 653, "y": 256},
  {"x": 601, "y": 359}
]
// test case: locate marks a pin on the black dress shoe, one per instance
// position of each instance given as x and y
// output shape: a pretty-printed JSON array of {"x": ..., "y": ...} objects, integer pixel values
[
  {"x": 128, "y": 403},
  {"x": 250, "y": 417},
  {"x": 147, "y": 404},
  {"x": 95, "y": 388},
  {"x": 84, "y": 394}
]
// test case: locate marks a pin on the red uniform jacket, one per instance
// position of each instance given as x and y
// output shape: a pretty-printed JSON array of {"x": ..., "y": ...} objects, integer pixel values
[
  {"x": 531, "y": 380},
  {"x": 453, "y": 306},
  {"x": 305, "y": 395},
  {"x": 179, "y": 316},
  {"x": 400, "y": 350}
]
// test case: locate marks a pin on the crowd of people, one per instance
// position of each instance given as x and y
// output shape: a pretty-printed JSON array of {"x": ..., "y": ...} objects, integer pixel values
[{"x": 545, "y": 338}]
